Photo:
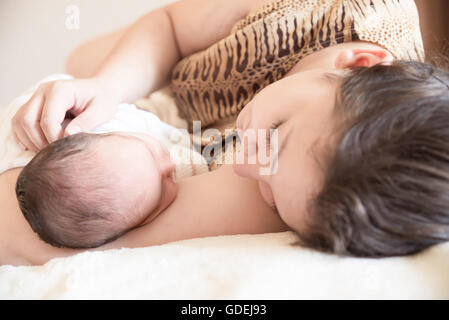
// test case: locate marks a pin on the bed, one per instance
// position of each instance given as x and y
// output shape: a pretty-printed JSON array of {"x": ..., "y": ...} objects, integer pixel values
[{"x": 265, "y": 266}]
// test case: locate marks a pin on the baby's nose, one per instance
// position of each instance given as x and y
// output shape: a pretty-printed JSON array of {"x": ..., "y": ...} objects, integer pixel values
[{"x": 168, "y": 168}]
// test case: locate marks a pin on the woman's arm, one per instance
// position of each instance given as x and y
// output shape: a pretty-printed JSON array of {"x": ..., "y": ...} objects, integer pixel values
[
  {"x": 86, "y": 59},
  {"x": 139, "y": 63},
  {"x": 19, "y": 245},
  {"x": 216, "y": 203},
  {"x": 146, "y": 52}
]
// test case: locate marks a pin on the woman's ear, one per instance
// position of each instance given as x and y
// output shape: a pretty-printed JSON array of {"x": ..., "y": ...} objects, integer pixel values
[{"x": 351, "y": 58}]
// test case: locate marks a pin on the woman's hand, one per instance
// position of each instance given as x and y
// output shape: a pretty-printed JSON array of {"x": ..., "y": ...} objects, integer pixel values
[
  {"x": 40, "y": 121},
  {"x": 139, "y": 63}
]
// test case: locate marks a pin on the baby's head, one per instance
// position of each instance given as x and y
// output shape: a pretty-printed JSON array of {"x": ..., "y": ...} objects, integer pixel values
[{"x": 88, "y": 189}]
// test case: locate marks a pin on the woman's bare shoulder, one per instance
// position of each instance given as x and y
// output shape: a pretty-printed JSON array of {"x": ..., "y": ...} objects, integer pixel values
[
  {"x": 215, "y": 203},
  {"x": 8, "y": 210},
  {"x": 7, "y": 185},
  {"x": 19, "y": 245},
  {"x": 6, "y": 175}
]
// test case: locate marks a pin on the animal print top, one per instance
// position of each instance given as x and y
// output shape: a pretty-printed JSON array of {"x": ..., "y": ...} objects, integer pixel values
[{"x": 215, "y": 84}]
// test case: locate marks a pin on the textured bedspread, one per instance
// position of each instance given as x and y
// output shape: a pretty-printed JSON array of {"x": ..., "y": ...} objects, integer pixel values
[{"x": 230, "y": 267}]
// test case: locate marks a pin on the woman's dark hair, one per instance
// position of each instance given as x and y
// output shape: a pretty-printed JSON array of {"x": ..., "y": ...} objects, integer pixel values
[{"x": 386, "y": 187}]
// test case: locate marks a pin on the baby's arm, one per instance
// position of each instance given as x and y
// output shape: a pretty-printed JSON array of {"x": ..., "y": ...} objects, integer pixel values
[
  {"x": 147, "y": 51},
  {"x": 216, "y": 203}
]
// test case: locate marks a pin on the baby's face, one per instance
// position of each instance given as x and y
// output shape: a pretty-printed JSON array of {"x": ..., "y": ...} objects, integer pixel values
[{"x": 143, "y": 169}]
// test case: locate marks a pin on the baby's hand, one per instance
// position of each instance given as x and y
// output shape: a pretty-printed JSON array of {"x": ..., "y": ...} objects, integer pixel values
[{"x": 42, "y": 119}]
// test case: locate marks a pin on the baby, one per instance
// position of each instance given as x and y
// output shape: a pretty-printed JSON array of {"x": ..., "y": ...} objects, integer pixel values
[{"x": 77, "y": 193}]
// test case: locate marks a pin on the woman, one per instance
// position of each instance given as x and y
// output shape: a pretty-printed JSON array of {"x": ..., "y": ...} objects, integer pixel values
[
  {"x": 318, "y": 126},
  {"x": 241, "y": 207}
]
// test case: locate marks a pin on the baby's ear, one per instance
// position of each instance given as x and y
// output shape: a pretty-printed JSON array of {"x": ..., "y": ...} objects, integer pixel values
[
  {"x": 351, "y": 58},
  {"x": 64, "y": 125}
]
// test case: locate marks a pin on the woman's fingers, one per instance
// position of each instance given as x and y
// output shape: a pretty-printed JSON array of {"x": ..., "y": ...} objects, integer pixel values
[
  {"x": 24, "y": 123},
  {"x": 41, "y": 120},
  {"x": 17, "y": 140},
  {"x": 31, "y": 122},
  {"x": 58, "y": 100},
  {"x": 93, "y": 115},
  {"x": 23, "y": 140}
]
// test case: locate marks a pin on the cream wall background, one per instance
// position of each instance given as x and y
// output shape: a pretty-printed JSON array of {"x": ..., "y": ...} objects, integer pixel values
[{"x": 35, "y": 42}]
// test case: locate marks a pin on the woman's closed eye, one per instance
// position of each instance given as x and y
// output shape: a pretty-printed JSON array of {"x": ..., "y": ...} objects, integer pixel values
[{"x": 274, "y": 126}]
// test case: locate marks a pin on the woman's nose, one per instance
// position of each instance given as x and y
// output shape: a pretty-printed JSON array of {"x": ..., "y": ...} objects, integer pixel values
[{"x": 248, "y": 142}]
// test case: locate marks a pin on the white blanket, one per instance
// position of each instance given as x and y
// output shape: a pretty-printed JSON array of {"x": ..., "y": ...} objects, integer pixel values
[{"x": 228, "y": 267}]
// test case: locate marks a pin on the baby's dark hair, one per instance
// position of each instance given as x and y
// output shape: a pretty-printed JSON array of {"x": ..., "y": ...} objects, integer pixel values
[
  {"x": 69, "y": 198},
  {"x": 386, "y": 185}
]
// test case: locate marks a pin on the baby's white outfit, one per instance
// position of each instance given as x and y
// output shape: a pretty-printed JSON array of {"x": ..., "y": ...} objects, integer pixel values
[{"x": 128, "y": 118}]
